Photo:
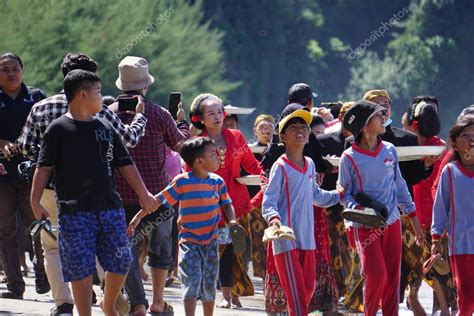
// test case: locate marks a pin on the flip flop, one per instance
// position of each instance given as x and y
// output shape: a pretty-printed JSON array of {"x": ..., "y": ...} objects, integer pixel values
[
  {"x": 169, "y": 281},
  {"x": 286, "y": 233},
  {"x": 121, "y": 305},
  {"x": 237, "y": 233},
  {"x": 368, "y": 216},
  {"x": 270, "y": 233},
  {"x": 437, "y": 263},
  {"x": 168, "y": 311}
]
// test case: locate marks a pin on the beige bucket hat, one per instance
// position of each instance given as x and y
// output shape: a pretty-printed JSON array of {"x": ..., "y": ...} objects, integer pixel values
[{"x": 133, "y": 74}]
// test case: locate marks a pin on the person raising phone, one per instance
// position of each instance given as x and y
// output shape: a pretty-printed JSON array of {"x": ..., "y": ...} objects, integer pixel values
[{"x": 149, "y": 157}]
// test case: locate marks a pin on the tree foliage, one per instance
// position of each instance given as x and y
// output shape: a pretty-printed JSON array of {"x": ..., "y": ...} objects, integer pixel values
[
  {"x": 249, "y": 52},
  {"x": 183, "y": 51}
]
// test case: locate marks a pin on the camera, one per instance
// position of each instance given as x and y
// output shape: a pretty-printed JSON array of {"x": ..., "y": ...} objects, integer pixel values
[{"x": 26, "y": 170}]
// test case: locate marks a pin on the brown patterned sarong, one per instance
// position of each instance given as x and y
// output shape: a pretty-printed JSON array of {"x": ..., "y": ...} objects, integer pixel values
[
  {"x": 242, "y": 285},
  {"x": 413, "y": 258},
  {"x": 259, "y": 252},
  {"x": 325, "y": 296},
  {"x": 275, "y": 300},
  {"x": 339, "y": 248}
]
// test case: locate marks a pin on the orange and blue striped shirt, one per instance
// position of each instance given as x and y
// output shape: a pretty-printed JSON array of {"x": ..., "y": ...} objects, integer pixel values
[{"x": 200, "y": 202}]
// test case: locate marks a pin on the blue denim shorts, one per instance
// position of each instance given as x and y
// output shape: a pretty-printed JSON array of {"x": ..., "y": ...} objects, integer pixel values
[
  {"x": 85, "y": 235},
  {"x": 199, "y": 270}
]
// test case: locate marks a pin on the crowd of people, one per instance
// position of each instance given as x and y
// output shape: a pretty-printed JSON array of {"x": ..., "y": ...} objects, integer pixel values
[{"x": 89, "y": 190}]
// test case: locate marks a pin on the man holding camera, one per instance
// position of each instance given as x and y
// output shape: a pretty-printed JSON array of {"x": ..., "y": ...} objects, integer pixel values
[
  {"x": 41, "y": 116},
  {"x": 16, "y": 100}
]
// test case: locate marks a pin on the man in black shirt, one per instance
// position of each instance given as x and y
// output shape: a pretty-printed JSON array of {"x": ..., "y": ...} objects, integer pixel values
[
  {"x": 300, "y": 96},
  {"x": 16, "y": 100},
  {"x": 412, "y": 171},
  {"x": 83, "y": 149}
]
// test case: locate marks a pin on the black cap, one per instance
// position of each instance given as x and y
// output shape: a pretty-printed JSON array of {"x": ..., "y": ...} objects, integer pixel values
[
  {"x": 300, "y": 93},
  {"x": 357, "y": 117},
  {"x": 290, "y": 108}
]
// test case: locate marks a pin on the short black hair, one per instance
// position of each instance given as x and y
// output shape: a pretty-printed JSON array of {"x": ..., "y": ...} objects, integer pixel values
[
  {"x": 12, "y": 56},
  {"x": 76, "y": 80},
  {"x": 77, "y": 61},
  {"x": 426, "y": 98},
  {"x": 293, "y": 121},
  {"x": 194, "y": 148},
  {"x": 108, "y": 100},
  {"x": 317, "y": 120},
  {"x": 334, "y": 107}
]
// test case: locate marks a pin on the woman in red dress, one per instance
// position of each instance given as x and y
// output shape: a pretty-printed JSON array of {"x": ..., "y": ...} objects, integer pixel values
[{"x": 207, "y": 114}]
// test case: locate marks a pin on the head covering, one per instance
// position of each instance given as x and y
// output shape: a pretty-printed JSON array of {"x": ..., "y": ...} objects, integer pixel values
[
  {"x": 372, "y": 94},
  {"x": 290, "y": 108},
  {"x": 264, "y": 117},
  {"x": 317, "y": 120},
  {"x": 300, "y": 93},
  {"x": 303, "y": 114},
  {"x": 346, "y": 106},
  {"x": 133, "y": 74},
  {"x": 357, "y": 117}
]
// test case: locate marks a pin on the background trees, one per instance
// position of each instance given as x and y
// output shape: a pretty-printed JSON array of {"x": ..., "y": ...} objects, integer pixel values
[{"x": 250, "y": 52}]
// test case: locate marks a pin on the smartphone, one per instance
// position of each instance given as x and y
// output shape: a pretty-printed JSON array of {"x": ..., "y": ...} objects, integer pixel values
[
  {"x": 127, "y": 104},
  {"x": 175, "y": 98}
]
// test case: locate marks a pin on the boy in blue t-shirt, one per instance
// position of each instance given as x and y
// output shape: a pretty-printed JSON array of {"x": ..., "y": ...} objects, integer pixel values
[
  {"x": 82, "y": 150},
  {"x": 201, "y": 194}
]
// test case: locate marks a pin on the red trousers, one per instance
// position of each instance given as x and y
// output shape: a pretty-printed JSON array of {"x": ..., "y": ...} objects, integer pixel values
[
  {"x": 380, "y": 251},
  {"x": 297, "y": 278},
  {"x": 463, "y": 274}
]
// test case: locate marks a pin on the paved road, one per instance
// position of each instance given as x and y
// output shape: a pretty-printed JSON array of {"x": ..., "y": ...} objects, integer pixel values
[{"x": 34, "y": 304}]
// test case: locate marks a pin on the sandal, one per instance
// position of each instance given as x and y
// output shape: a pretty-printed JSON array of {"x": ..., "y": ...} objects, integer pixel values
[
  {"x": 367, "y": 216},
  {"x": 167, "y": 311},
  {"x": 237, "y": 233},
  {"x": 224, "y": 304},
  {"x": 437, "y": 263},
  {"x": 169, "y": 281},
  {"x": 286, "y": 233},
  {"x": 276, "y": 233},
  {"x": 270, "y": 233}
]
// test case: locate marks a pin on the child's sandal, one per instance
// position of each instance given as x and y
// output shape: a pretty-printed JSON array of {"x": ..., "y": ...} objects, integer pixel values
[
  {"x": 286, "y": 233},
  {"x": 237, "y": 233},
  {"x": 270, "y": 233}
]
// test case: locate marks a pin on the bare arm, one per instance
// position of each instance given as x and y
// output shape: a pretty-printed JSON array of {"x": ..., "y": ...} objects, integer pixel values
[
  {"x": 40, "y": 180},
  {"x": 147, "y": 201},
  {"x": 229, "y": 214},
  {"x": 138, "y": 218}
]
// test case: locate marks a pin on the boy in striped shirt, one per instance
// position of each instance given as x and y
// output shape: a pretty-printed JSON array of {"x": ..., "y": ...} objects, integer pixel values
[{"x": 200, "y": 193}]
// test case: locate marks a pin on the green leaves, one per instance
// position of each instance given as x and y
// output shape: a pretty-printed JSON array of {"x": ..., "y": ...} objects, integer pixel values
[{"x": 183, "y": 51}]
